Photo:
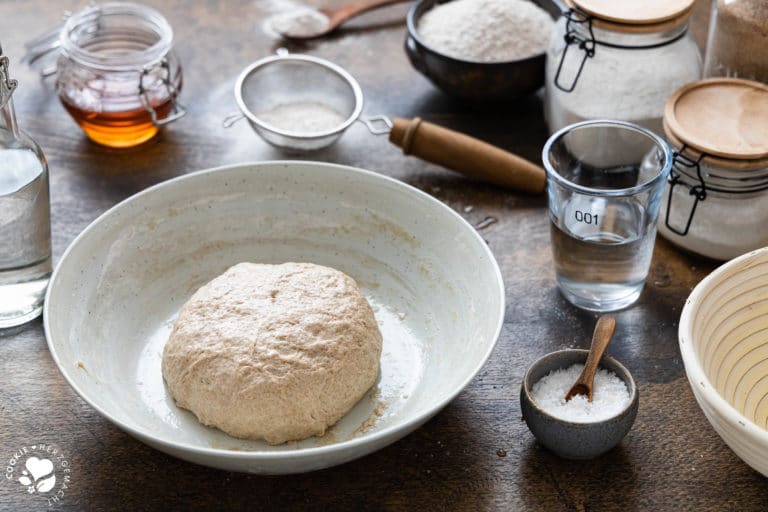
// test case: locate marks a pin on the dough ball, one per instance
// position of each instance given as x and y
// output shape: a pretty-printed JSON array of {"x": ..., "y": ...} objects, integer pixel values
[{"x": 274, "y": 352}]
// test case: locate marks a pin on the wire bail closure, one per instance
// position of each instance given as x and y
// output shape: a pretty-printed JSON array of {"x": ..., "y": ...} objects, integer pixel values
[
  {"x": 177, "y": 110},
  {"x": 572, "y": 36},
  {"x": 7, "y": 85},
  {"x": 699, "y": 192}
]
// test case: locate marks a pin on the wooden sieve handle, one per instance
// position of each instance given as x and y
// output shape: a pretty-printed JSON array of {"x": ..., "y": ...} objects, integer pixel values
[{"x": 466, "y": 155}]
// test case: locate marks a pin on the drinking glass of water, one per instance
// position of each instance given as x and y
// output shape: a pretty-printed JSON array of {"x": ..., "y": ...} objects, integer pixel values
[{"x": 604, "y": 180}]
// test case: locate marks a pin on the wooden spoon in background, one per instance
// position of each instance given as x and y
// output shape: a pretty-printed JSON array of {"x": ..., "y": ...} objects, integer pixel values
[
  {"x": 604, "y": 329},
  {"x": 308, "y": 23}
]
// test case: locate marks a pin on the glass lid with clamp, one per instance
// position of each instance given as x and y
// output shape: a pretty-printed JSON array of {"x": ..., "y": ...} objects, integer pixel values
[
  {"x": 716, "y": 201},
  {"x": 619, "y": 59}
]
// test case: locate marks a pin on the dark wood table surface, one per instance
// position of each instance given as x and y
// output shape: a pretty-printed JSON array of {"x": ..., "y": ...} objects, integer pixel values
[{"x": 477, "y": 454}]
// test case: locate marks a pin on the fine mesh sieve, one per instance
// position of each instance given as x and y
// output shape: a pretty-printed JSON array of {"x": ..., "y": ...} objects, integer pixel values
[{"x": 285, "y": 79}]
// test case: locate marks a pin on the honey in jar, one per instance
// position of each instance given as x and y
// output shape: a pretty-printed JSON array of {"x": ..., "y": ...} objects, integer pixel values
[{"x": 116, "y": 74}]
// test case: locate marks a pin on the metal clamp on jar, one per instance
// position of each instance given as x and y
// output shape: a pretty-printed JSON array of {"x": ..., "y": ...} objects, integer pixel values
[
  {"x": 116, "y": 74},
  {"x": 716, "y": 201},
  {"x": 619, "y": 60}
]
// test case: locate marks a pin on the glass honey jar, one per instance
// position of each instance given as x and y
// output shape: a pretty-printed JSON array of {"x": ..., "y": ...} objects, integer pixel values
[{"x": 116, "y": 74}]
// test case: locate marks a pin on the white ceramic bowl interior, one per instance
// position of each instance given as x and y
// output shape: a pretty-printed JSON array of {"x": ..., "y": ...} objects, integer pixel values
[
  {"x": 724, "y": 344},
  {"x": 433, "y": 283}
]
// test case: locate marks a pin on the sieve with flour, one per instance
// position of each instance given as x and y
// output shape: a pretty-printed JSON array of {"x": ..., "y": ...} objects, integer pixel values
[{"x": 301, "y": 103}]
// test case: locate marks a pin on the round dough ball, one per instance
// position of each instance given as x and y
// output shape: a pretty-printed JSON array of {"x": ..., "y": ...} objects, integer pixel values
[{"x": 274, "y": 352}]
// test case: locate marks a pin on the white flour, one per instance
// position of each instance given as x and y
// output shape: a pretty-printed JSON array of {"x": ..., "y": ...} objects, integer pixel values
[
  {"x": 301, "y": 22},
  {"x": 305, "y": 117},
  {"x": 486, "y": 30}
]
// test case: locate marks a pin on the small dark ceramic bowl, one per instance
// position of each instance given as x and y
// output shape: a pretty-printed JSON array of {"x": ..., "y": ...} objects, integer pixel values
[
  {"x": 477, "y": 81},
  {"x": 576, "y": 440}
]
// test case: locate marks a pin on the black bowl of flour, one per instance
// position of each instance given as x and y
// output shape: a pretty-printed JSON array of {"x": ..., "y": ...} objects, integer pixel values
[{"x": 474, "y": 80}]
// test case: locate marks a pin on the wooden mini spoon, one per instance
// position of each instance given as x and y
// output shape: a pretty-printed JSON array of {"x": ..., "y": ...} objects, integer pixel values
[
  {"x": 604, "y": 330},
  {"x": 338, "y": 15}
]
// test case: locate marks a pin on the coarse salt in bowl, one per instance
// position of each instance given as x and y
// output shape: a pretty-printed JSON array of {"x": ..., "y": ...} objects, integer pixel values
[
  {"x": 723, "y": 339},
  {"x": 565, "y": 437},
  {"x": 610, "y": 395}
]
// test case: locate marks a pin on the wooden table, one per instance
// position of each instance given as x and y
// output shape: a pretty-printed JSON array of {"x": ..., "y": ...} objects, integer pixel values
[{"x": 477, "y": 454}]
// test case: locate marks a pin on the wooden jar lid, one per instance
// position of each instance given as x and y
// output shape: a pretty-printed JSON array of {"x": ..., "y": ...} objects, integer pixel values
[
  {"x": 634, "y": 12},
  {"x": 723, "y": 117},
  {"x": 626, "y": 16}
]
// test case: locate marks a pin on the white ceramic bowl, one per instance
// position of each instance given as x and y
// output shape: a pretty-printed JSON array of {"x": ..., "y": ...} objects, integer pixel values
[
  {"x": 724, "y": 344},
  {"x": 436, "y": 290}
]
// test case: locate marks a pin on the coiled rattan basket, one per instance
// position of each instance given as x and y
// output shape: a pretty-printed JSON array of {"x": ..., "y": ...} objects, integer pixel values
[{"x": 724, "y": 345}]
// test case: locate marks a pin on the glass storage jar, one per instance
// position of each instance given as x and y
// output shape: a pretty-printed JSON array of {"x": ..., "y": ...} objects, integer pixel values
[
  {"x": 738, "y": 40},
  {"x": 619, "y": 60},
  {"x": 716, "y": 201},
  {"x": 116, "y": 74}
]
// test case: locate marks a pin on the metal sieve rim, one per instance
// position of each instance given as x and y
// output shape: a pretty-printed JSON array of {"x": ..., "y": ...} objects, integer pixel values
[{"x": 252, "y": 68}]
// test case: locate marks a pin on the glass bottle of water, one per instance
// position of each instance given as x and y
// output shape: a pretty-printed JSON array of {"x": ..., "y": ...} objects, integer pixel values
[{"x": 25, "y": 228}]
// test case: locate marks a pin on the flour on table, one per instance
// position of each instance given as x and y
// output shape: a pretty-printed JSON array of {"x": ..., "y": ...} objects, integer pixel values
[{"x": 301, "y": 22}]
